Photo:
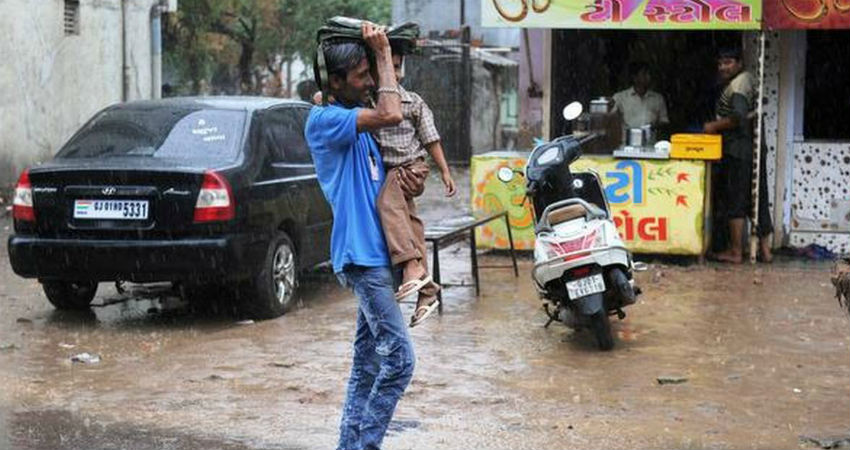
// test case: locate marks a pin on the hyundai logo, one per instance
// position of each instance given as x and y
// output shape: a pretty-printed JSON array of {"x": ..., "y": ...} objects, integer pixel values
[{"x": 108, "y": 191}]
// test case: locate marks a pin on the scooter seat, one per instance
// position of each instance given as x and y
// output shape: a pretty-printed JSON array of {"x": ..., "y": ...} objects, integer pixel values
[
  {"x": 569, "y": 212},
  {"x": 566, "y": 213}
]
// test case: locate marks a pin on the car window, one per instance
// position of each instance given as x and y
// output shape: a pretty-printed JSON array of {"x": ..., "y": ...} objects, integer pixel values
[
  {"x": 283, "y": 135},
  {"x": 161, "y": 132}
]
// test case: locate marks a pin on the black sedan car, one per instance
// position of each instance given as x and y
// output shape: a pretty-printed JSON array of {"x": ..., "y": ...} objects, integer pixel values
[{"x": 198, "y": 191}]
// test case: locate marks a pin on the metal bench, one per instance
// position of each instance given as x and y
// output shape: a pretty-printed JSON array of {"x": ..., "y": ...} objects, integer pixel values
[{"x": 457, "y": 229}]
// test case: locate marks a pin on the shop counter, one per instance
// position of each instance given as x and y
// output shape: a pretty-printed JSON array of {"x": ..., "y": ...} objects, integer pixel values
[{"x": 659, "y": 206}]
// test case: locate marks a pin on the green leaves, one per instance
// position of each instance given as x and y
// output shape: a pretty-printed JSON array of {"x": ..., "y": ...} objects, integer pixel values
[{"x": 232, "y": 38}]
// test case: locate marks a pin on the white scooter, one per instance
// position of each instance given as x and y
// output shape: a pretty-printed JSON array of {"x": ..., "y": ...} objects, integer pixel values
[{"x": 582, "y": 269}]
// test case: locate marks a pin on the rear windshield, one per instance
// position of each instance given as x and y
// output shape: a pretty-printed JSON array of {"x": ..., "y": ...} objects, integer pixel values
[{"x": 181, "y": 133}]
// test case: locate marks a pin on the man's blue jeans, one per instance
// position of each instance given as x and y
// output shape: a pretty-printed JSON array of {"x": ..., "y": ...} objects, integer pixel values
[{"x": 383, "y": 359}]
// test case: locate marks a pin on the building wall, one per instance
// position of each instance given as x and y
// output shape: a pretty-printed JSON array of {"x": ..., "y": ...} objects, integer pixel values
[
  {"x": 442, "y": 15},
  {"x": 51, "y": 83},
  {"x": 531, "y": 108},
  {"x": 814, "y": 174},
  {"x": 820, "y": 179}
]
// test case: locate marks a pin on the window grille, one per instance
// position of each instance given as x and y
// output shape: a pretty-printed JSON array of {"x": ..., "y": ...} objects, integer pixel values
[{"x": 72, "y": 17}]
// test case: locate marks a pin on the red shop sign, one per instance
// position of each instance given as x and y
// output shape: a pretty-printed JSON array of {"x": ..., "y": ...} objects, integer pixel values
[{"x": 811, "y": 14}]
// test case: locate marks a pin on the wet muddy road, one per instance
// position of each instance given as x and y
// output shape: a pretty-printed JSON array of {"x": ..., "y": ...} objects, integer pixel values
[{"x": 765, "y": 352}]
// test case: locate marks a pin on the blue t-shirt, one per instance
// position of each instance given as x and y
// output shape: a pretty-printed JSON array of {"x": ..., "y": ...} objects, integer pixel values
[{"x": 351, "y": 173}]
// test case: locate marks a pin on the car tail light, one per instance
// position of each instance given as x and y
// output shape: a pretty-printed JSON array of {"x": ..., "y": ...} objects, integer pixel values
[
  {"x": 22, "y": 208},
  {"x": 215, "y": 200}
]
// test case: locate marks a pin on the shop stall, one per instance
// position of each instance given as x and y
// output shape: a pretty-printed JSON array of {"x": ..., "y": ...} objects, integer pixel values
[
  {"x": 581, "y": 49},
  {"x": 660, "y": 200},
  {"x": 659, "y": 206}
]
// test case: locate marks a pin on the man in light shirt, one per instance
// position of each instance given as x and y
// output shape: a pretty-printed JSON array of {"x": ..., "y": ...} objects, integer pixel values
[{"x": 638, "y": 105}]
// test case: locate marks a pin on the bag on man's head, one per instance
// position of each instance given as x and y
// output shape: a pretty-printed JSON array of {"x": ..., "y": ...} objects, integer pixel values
[{"x": 341, "y": 29}]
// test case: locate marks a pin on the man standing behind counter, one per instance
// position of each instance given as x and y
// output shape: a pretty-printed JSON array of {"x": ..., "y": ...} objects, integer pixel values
[
  {"x": 638, "y": 105},
  {"x": 735, "y": 111}
]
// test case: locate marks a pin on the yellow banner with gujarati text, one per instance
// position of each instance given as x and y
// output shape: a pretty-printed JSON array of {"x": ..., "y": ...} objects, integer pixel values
[{"x": 657, "y": 205}]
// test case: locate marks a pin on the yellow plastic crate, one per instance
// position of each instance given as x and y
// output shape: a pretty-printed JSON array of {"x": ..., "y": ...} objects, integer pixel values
[{"x": 696, "y": 146}]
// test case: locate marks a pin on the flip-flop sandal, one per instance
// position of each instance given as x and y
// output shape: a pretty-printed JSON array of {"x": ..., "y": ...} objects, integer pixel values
[
  {"x": 412, "y": 286},
  {"x": 423, "y": 312}
]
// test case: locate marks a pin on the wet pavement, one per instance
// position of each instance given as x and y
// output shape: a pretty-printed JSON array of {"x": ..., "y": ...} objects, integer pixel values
[{"x": 760, "y": 356}]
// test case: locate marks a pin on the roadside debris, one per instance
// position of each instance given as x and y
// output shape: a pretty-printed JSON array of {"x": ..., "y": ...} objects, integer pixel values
[
  {"x": 23, "y": 320},
  {"x": 282, "y": 365},
  {"x": 8, "y": 346},
  {"x": 671, "y": 379},
  {"x": 66, "y": 346},
  {"x": 245, "y": 322},
  {"x": 657, "y": 276},
  {"x": 827, "y": 442},
  {"x": 86, "y": 358}
]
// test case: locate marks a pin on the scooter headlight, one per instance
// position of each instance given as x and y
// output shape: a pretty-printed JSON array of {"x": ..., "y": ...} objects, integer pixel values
[{"x": 549, "y": 156}]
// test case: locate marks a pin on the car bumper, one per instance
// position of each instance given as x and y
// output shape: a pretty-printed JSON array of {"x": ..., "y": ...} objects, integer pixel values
[{"x": 131, "y": 260}]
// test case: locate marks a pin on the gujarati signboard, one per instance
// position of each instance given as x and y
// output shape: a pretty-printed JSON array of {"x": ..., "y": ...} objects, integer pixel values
[
  {"x": 811, "y": 14},
  {"x": 657, "y": 205},
  {"x": 624, "y": 14}
]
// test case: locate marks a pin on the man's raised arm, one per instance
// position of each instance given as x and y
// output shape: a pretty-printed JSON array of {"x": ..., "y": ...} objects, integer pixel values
[{"x": 387, "y": 112}]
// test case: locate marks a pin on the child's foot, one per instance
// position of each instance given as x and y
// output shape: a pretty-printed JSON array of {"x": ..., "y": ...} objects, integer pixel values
[
  {"x": 412, "y": 270},
  {"x": 425, "y": 306},
  {"x": 414, "y": 278}
]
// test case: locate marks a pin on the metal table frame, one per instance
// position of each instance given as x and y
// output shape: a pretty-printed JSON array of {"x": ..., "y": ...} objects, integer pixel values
[{"x": 441, "y": 236}]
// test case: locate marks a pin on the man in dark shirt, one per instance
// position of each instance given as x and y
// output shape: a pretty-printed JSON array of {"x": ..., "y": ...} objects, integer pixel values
[{"x": 734, "y": 121}]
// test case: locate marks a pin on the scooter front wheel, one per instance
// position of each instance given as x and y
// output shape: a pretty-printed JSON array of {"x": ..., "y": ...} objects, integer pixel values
[{"x": 601, "y": 327}]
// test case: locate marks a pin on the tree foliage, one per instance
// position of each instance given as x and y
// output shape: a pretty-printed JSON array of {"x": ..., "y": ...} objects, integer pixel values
[{"x": 210, "y": 41}]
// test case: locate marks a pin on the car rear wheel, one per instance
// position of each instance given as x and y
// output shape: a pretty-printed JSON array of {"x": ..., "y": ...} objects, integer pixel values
[
  {"x": 76, "y": 295},
  {"x": 272, "y": 291}
]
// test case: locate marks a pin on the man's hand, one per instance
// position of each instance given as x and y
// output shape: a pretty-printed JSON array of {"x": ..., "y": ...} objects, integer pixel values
[
  {"x": 387, "y": 111},
  {"x": 710, "y": 128},
  {"x": 412, "y": 182},
  {"x": 449, "y": 183},
  {"x": 375, "y": 37}
]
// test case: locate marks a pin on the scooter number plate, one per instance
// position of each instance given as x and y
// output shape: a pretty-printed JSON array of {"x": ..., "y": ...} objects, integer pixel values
[{"x": 586, "y": 286}]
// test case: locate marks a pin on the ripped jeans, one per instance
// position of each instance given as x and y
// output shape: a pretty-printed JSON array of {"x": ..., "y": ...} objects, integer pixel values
[{"x": 383, "y": 359}]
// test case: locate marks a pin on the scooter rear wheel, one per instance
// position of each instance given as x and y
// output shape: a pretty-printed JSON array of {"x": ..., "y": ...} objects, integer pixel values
[{"x": 601, "y": 327}]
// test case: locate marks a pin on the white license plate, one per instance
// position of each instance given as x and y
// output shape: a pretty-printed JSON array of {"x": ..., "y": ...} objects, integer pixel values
[
  {"x": 586, "y": 286},
  {"x": 111, "y": 209}
]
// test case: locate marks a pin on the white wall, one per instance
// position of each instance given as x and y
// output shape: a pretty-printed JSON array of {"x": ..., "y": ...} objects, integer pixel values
[
  {"x": 51, "y": 83},
  {"x": 813, "y": 175},
  {"x": 442, "y": 15}
]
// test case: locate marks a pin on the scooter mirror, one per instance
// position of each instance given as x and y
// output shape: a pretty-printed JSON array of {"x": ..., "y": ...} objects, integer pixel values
[
  {"x": 572, "y": 111},
  {"x": 505, "y": 174}
]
